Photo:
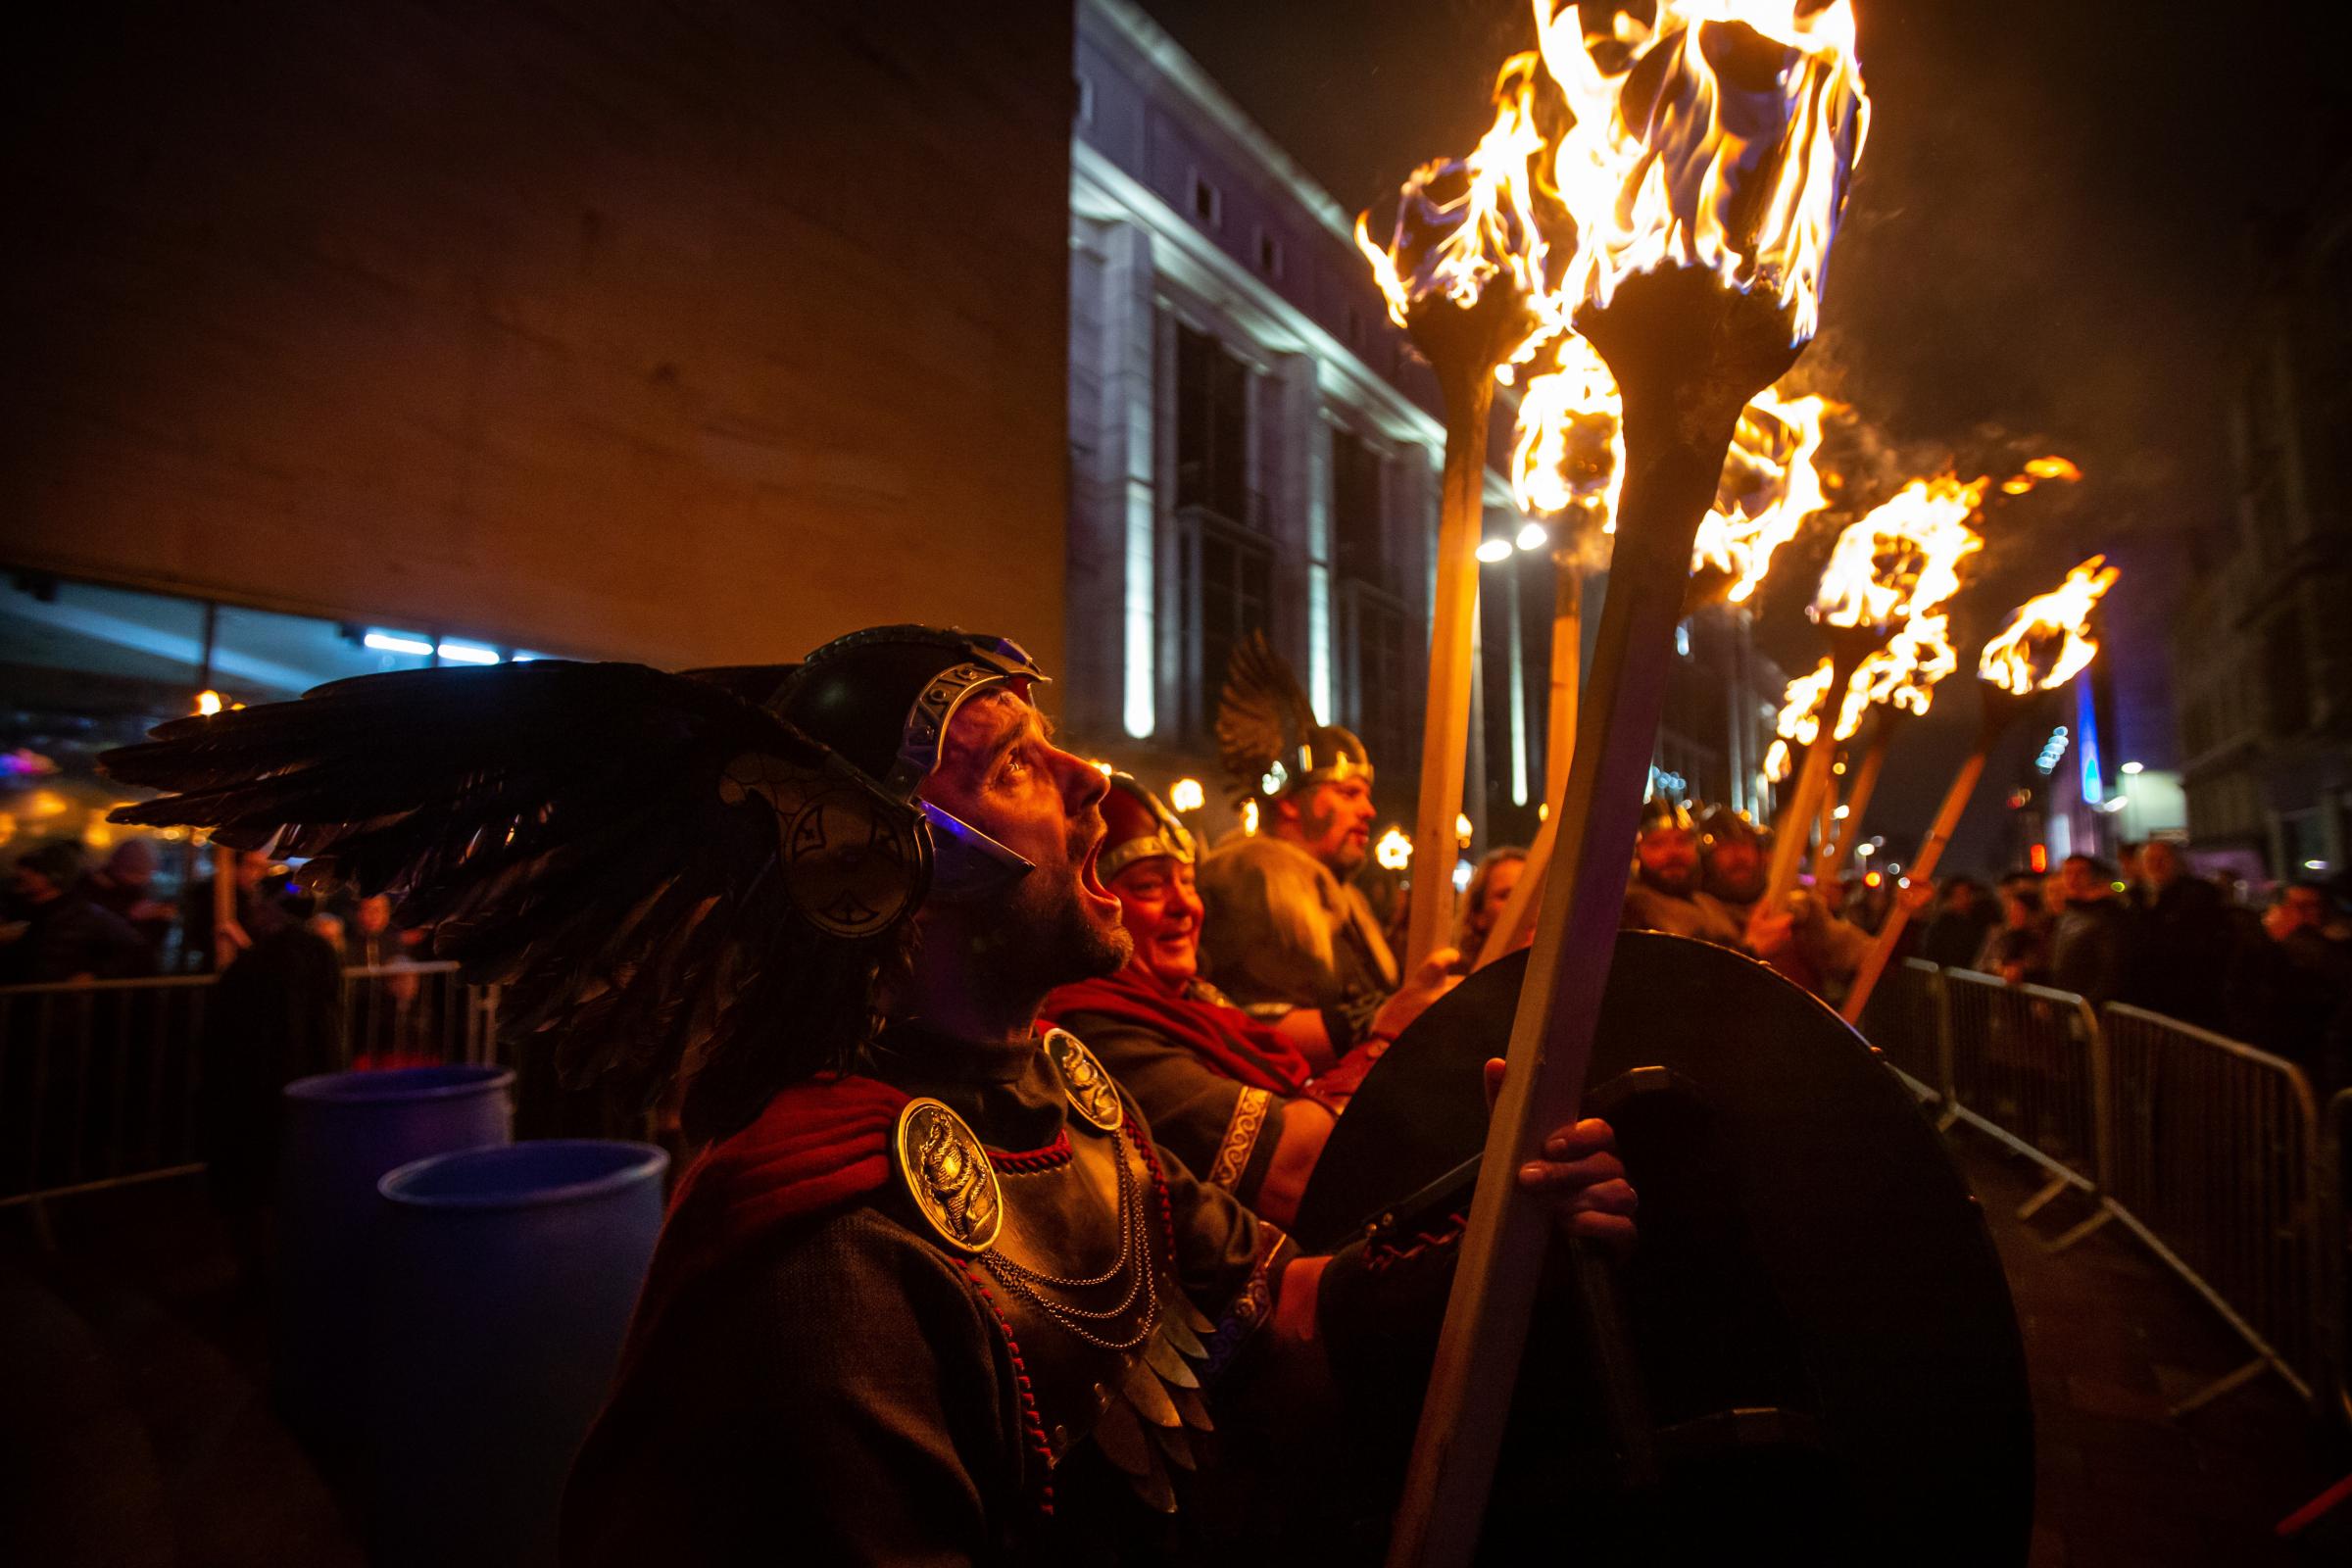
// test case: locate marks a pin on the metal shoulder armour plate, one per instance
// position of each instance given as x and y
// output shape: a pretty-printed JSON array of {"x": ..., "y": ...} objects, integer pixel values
[
  {"x": 1092, "y": 1093},
  {"x": 1815, "y": 1319},
  {"x": 948, "y": 1174}
]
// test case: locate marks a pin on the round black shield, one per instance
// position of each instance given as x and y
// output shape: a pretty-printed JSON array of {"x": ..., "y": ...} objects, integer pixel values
[{"x": 1820, "y": 1323}]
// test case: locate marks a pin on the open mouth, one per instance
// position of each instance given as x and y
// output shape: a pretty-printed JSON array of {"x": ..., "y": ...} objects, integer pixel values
[{"x": 1088, "y": 882}]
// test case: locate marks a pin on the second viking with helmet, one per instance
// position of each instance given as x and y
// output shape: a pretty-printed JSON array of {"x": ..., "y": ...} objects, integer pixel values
[{"x": 1287, "y": 925}]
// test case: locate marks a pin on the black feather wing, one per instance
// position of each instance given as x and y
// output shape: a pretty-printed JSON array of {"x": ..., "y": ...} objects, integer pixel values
[
  {"x": 1264, "y": 715},
  {"x": 576, "y": 832}
]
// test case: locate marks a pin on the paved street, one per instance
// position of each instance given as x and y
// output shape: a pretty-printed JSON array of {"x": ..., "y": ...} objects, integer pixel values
[
  {"x": 148, "y": 1369},
  {"x": 2112, "y": 1339}
]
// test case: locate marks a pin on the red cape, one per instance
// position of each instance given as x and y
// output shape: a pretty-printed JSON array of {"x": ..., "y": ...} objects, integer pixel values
[
  {"x": 1227, "y": 1038},
  {"x": 817, "y": 1145}
]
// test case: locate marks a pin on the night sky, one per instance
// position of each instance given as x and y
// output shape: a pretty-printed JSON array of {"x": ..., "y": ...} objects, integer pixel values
[{"x": 2059, "y": 210}]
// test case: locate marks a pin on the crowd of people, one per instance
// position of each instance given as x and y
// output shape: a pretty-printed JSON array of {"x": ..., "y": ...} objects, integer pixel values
[
  {"x": 66, "y": 918},
  {"x": 2147, "y": 931}
]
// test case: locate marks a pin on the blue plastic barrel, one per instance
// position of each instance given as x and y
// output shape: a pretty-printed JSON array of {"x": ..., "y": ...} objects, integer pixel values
[
  {"x": 343, "y": 1131},
  {"x": 508, "y": 1282}
]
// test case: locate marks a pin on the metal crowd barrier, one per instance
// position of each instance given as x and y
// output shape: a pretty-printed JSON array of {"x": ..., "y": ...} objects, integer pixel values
[
  {"x": 398, "y": 1013},
  {"x": 1905, "y": 1021},
  {"x": 2217, "y": 1169},
  {"x": 102, "y": 1082},
  {"x": 2335, "y": 1244},
  {"x": 99, "y": 1083},
  {"x": 2028, "y": 1065},
  {"x": 2213, "y": 1154}
]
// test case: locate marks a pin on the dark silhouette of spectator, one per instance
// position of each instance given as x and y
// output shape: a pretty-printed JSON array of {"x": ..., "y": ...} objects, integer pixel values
[
  {"x": 125, "y": 885},
  {"x": 53, "y": 932},
  {"x": 2181, "y": 943},
  {"x": 2288, "y": 990},
  {"x": 2017, "y": 950},
  {"x": 2131, "y": 863},
  {"x": 275, "y": 1015},
  {"x": 261, "y": 911},
  {"x": 1964, "y": 916},
  {"x": 2091, "y": 943}
]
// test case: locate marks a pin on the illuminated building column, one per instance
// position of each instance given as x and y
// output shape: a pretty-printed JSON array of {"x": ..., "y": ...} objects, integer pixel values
[
  {"x": 1130, "y": 395},
  {"x": 1305, "y": 497}
]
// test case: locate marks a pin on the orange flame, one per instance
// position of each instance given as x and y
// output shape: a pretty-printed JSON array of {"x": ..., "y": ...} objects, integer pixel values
[
  {"x": 1905, "y": 671},
  {"x": 1465, "y": 239},
  {"x": 1903, "y": 559},
  {"x": 1770, "y": 486},
  {"x": 1721, "y": 135},
  {"x": 1570, "y": 450},
  {"x": 2038, "y": 470},
  {"x": 1732, "y": 153},
  {"x": 2046, "y": 641},
  {"x": 1799, "y": 723}
]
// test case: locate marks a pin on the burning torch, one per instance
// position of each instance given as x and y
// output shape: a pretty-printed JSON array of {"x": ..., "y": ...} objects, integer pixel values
[
  {"x": 1704, "y": 203},
  {"x": 1770, "y": 487},
  {"x": 2045, "y": 643},
  {"x": 1886, "y": 570},
  {"x": 1471, "y": 245},
  {"x": 1899, "y": 680}
]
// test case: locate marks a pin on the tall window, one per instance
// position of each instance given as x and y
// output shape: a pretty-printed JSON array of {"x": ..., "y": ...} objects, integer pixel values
[
  {"x": 1212, "y": 427},
  {"x": 1376, "y": 698},
  {"x": 1358, "y": 541},
  {"x": 1225, "y": 584}
]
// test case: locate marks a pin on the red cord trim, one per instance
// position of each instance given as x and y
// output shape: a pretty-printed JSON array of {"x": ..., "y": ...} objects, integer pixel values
[
  {"x": 1033, "y": 1425},
  {"x": 1383, "y": 1254},
  {"x": 1029, "y": 1161}
]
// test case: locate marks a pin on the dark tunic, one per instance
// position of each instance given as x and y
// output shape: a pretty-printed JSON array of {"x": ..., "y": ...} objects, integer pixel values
[
  {"x": 852, "y": 1389},
  {"x": 1282, "y": 932}
]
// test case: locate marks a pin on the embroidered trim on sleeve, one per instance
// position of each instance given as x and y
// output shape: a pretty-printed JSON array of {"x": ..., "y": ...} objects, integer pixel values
[{"x": 1241, "y": 1138}]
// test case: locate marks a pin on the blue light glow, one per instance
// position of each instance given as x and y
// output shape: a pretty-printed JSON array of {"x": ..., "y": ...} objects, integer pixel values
[{"x": 2087, "y": 750}]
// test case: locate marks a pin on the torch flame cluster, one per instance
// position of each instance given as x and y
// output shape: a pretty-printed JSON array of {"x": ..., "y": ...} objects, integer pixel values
[
  {"x": 2046, "y": 641},
  {"x": 1719, "y": 135},
  {"x": 1903, "y": 559}
]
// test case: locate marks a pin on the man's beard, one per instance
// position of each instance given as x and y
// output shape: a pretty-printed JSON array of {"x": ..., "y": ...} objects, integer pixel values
[
  {"x": 1676, "y": 881},
  {"x": 1041, "y": 936},
  {"x": 1344, "y": 858},
  {"x": 1736, "y": 890}
]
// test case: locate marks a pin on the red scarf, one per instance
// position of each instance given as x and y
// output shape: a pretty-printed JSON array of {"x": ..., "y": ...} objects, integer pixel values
[
  {"x": 817, "y": 1145},
  {"x": 1225, "y": 1036}
]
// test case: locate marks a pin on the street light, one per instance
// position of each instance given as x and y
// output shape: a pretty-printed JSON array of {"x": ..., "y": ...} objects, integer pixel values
[
  {"x": 1534, "y": 535},
  {"x": 1492, "y": 550},
  {"x": 2134, "y": 767}
]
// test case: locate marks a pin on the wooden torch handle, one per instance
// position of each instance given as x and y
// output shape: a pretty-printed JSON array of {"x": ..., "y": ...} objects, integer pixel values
[
  {"x": 1930, "y": 850},
  {"x": 1669, "y": 488},
  {"x": 1445, "y": 720}
]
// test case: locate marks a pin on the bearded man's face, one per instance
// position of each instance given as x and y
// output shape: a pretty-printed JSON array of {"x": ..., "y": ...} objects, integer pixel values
[
  {"x": 1000, "y": 772},
  {"x": 1669, "y": 859},
  {"x": 1333, "y": 822},
  {"x": 1735, "y": 868}
]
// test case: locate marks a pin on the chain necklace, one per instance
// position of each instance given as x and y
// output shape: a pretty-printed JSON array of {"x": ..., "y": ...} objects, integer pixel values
[{"x": 1026, "y": 1282}]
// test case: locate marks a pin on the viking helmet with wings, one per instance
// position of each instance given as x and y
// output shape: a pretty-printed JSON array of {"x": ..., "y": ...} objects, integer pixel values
[
  {"x": 711, "y": 871},
  {"x": 1269, "y": 739}
]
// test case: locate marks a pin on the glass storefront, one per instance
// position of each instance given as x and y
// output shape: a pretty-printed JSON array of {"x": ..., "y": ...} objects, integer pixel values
[{"x": 86, "y": 666}]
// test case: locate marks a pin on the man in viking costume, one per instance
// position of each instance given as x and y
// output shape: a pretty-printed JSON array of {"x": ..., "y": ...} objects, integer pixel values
[
  {"x": 1238, "y": 1098},
  {"x": 1286, "y": 926},
  {"x": 931, "y": 1291},
  {"x": 1804, "y": 941},
  {"x": 1665, "y": 893}
]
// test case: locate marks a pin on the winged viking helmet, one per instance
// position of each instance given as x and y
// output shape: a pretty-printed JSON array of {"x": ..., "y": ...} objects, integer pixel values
[
  {"x": 714, "y": 868},
  {"x": 1267, "y": 738}
]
